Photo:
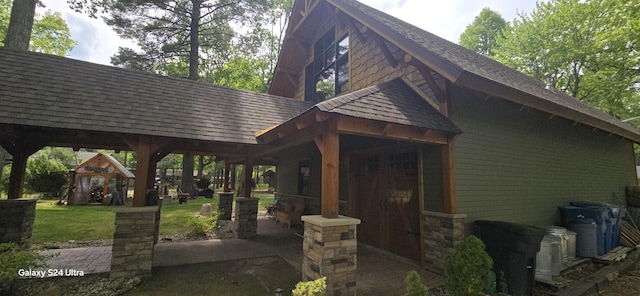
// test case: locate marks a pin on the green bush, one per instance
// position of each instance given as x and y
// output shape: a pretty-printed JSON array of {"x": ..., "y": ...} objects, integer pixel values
[
  {"x": 44, "y": 174},
  {"x": 14, "y": 257},
  {"x": 467, "y": 268},
  {"x": 200, "y": 226},
  {"x": 415, "y": 287},
  {"x": 311, "y": 288},
  {"x": 203, "y": 183}
]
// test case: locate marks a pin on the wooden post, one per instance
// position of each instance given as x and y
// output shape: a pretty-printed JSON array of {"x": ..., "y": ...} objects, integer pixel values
[
  {"x": 18, "y": 171},
  {"x": 330, "y": 173},
  {"x": 143, "y": 151},
  {"x": 247, "y": 178},
  {"x": 20, "y": 152},
  {"x": 227, "y": 168},
  {"x": 448, "y": 179}
]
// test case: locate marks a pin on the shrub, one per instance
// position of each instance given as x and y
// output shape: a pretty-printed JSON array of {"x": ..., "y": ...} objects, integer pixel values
[
  {"x": 203, "y": 183},
  {"x": 467, "y": 268},
  {"x": 14, "y": 257},
  {"x": 45, "y": 174},
  {"x": 415, "y": 287},
  {"x": 200, "y": 226},
  {"x": 311, "y": 288}
]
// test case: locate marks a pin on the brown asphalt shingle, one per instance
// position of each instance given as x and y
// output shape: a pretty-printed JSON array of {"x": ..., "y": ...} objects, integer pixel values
[
  {"x": 394, "y": 102},
  {"x": 55, "y": 92}
]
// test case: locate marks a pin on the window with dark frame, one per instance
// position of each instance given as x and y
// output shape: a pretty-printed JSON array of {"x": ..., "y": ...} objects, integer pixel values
[
  {"x": 303, "y": 177},
  {"x": 328, "y": 74}
]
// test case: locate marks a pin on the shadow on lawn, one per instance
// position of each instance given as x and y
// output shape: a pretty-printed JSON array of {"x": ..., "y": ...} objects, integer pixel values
[{"x": 255, "y": 276}]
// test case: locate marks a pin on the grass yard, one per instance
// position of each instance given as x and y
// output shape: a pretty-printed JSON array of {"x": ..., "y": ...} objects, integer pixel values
[{"x": 82, "y": 223}]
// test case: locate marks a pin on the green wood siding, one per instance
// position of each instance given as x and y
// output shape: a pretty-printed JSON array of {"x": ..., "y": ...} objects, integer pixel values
[
  {"x": 432, "y": 175},
  {"x": 287, "y": 170},
  {"x": 520, "y": 165}
]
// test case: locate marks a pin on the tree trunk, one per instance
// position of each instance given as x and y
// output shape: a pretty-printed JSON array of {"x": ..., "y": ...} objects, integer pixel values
[
  {"x": 200, "y": 166},
  {"x": 187, "y": 173},
  {"x": 20, "y": 24},
  {"x": 193, "y": 39}
]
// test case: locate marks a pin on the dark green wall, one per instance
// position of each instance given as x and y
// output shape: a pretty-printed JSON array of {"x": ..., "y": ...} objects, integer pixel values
[
  {"x": 520, "y": 165},
  {"x": 287, "y": 170},
  {"x": 432, "y": 174}
]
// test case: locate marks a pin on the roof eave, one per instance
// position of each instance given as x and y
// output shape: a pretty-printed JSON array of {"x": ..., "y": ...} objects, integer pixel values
[{"x": 477, "y": 83}]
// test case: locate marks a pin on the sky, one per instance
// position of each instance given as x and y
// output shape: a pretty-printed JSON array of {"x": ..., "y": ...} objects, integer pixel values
[{"x": 96, "y": 42}]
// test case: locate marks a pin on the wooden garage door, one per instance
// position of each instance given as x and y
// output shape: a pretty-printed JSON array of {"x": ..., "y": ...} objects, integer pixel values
[{"x": 386, "y": 193}]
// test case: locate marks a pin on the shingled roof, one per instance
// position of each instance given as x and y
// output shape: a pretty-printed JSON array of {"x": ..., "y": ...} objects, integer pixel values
[
  {"x": 393, "y": 102},
  {"x": 469, "y": 69},
  {"x": 40, "y": 90}
]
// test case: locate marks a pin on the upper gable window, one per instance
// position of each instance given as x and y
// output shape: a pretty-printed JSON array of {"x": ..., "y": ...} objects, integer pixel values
[{"x": 328, "y": 74}]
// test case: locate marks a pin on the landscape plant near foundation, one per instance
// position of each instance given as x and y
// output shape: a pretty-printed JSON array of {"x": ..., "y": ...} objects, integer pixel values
[
  {"x": 15, "y": 260},
  {"x": 311, "y": 288},
  {"x": 467, "y": 268},
  {"x": 201, "y": 225},
  {"x": 415, "y": 287}
]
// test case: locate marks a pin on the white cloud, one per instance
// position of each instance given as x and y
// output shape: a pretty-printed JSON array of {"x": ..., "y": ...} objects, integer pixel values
[
  {"x": 96, "y": 42},
  {"x": 448, "y": 19}
]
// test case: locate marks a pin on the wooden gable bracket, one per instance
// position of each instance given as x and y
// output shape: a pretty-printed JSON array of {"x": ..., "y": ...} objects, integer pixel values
[
  {"x": 354, "y": 27},
  {"x": 425, "y": 71},
  {"x": 385, "y": 50},
  {"x": 420, "y": 93},
  {"x": 309, "y": 6},
  {"x": 290, "y": 74}
]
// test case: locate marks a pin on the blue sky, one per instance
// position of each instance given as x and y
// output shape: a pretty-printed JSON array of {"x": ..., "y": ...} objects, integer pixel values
[{"x": 447, "y": 19}]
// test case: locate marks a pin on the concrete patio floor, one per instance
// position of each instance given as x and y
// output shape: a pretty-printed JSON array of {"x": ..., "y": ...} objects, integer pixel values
[{"x": 378, "y": 272}]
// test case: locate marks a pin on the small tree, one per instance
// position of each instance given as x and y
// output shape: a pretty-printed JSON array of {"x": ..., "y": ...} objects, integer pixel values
[
  {"x": 467, "y": 268},
  {"x": 415, "y": 287}
]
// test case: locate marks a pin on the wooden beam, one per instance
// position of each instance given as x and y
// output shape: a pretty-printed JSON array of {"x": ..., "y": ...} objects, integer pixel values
[
  {"x": 349, "y": 21},
  {"x": 371, "y": 128},
  {"x": 421, "y": 93},
  {"x": 143, "y": 153},
  {"x": 425, "y": 71},
  {"x": 319, "y": 143},
  {"x": 330, "y": 201},
  {"x": 385, "y": 50},
  {"x": 309, "y": 7},
  {"x": 448, "y": 179}
]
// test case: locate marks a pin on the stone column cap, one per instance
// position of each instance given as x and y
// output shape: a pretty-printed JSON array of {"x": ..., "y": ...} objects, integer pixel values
[
  {"x": 136, "y": 209},
  {"x": 325, "y": 222}
]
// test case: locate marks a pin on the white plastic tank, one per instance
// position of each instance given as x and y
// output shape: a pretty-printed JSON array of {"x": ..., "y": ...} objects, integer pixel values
[{"x": 549, "y": 258}]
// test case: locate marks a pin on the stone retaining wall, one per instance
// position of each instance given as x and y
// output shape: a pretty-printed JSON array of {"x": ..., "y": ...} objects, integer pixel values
[
  {"x": 16, "y": 219},
  {"x": 442, "y": 231}
]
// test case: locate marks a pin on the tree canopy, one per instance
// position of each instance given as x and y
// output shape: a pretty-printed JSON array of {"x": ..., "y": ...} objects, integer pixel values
[
  {"x": 587, "y": 48},
  {"x": 50, "y": 33},
  {"x": 481, "y": 35},
  {"x": 230, "y": 39}
]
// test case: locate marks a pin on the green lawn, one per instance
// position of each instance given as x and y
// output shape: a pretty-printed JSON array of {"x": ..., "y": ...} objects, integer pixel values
[{"x": 81, "y": 223}]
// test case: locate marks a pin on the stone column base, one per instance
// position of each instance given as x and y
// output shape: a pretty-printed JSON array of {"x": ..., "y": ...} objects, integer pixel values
[
  {"x": 442, "y": 231},
  {"x": 246, "y": 217},
  {"x": 16, "y": 222},
  {"x": 225, "y": 205},
  {"x": 330, "y": 250},
  {"x": 133, "y": 240}
]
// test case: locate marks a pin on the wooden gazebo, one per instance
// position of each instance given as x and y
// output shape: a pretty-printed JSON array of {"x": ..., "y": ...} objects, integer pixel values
[{"x": 100, "y": 179}]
